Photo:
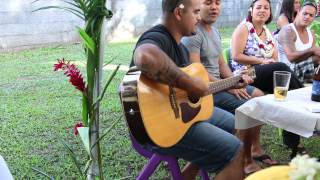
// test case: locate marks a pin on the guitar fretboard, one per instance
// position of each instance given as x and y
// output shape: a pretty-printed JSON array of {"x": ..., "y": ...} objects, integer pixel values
[{"x": 223, "y": 84}]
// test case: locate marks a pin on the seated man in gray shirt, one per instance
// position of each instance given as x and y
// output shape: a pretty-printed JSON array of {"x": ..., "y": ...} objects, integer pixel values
[{"x": 205, "y": 47}]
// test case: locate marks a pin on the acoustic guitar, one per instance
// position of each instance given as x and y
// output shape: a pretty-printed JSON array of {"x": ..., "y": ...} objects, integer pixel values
[{"x": 160, "y": 114}]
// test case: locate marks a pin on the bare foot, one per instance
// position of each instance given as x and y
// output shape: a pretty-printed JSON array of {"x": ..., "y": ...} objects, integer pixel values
[
  {"x": 190, "y": 171},
  {"x": 266, "y": 159}
]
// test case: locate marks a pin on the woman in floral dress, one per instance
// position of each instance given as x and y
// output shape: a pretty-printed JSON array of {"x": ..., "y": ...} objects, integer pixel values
[{"x": 252, "y": 44}]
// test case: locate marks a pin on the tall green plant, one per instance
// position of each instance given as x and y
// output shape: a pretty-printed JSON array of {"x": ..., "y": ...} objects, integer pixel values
[
  {"x": 315, "y": 27},
  {"x": 94, "y": 14}
]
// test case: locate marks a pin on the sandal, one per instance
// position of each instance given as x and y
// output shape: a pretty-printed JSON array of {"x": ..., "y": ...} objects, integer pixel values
[
  {"x": 301, "y": 150},
  {"x": 262, "y": 158}
]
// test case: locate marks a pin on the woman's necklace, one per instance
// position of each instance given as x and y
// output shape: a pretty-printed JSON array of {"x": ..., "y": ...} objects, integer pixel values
[
  {"x": 261, "y": 32},
  {"x": 266, "y": 48}
]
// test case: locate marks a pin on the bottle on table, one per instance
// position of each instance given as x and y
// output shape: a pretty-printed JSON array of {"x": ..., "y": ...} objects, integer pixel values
[{"x": 315, "y": 96}]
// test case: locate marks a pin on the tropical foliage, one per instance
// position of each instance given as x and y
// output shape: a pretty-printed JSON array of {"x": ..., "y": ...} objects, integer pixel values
[
  {"x": 315, "y": 26},
  {"x": 93, "y": 13}
]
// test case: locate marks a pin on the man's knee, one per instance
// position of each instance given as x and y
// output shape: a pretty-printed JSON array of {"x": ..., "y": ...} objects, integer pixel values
[{"x": 257, "y": 92}]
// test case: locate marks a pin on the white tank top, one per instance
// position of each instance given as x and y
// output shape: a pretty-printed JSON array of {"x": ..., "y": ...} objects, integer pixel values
[{"x": 300, "y": 46}]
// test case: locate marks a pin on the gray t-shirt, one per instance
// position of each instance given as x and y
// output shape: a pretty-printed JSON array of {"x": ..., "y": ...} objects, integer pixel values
[{"x": 208, "y": 45}]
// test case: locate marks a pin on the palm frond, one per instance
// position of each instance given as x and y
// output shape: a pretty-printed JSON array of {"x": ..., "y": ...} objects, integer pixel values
[
  {"x": 88, "y": 41},
  {"x": 72, "y": 4},
  {"x": 83, "y": 6},
  {"x": 71, "y": 10}
]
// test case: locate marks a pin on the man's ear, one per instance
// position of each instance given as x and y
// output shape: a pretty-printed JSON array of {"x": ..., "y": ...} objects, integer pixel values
[{"x": 177, "y": 12}]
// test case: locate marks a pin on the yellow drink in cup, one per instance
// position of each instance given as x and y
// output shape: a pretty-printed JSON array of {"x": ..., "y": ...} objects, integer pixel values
[
  {"x": 280, "y": 93},
  {"x": 281, "y": 80}
]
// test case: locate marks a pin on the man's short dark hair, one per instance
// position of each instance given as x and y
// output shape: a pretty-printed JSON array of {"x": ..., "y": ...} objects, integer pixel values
[
  {"x": 168, "y": 6},
  {"x": 310, "y": 3}
]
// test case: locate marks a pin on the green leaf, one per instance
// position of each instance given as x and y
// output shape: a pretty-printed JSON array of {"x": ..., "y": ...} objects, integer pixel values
[
  {"x": 89, "y": 43},
  {"x": 85, "y": 110},
  {"x": 71, "y": 10},
  {"x": 107, "y": 131},
  {"x": 87, "y": 165},
  {"x": 107, "y": 84},
  {"x": 42, "y": 173},
  {"x": 73, "y": 156},
  {"x": 84, "y": 135},
  {"x": 315, "y": 27}
]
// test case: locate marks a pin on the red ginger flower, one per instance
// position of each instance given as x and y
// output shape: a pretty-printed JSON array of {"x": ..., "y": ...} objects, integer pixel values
[
  {"x": 75, "y": 128},
  {"x": 72, "y": 72}
]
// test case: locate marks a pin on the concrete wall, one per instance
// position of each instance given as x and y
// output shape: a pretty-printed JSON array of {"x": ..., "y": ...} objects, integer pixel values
[
  {"x": 234, "y": 11},
  {"x": 22, "y": 28},
  {"x": 132, "y": 17}
]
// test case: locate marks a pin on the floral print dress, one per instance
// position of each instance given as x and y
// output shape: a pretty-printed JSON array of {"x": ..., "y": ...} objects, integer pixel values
[{"x": 255, "y": 46}]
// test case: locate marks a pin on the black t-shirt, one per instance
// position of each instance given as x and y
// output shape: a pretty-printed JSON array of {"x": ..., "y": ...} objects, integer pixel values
[{"x": 160, "y": 36}]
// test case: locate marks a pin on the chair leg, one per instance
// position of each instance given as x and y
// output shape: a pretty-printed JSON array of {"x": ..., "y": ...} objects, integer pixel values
[
  {"x": 204, "y": 175},
  {"x": 149, "y": 168},
  {"x": 174, "y": 169}
]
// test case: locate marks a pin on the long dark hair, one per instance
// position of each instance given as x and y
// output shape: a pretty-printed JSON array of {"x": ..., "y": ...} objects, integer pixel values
[
  {"x": 249, "y": 17},
  {"x": 287, "y": 9}
]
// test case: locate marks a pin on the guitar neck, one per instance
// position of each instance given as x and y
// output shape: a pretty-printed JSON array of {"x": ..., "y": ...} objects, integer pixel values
[{"x": 223, "y": 84}]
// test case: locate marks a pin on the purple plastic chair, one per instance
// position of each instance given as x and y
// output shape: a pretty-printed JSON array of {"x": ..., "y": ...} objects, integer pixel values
[{"x": 156, "y": 159}]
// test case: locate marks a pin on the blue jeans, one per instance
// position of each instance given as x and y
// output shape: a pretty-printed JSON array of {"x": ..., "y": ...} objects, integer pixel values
[
  {"x": 209, "y": 144},
  {"x": 230, "y": 102}
]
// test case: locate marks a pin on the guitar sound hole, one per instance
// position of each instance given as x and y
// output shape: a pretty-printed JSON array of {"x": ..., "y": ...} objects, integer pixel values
[{"x": 193, "y": 99}]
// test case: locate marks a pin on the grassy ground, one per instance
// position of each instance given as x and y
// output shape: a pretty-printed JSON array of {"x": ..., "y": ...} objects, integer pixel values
[{"x": 38, "y": 108}]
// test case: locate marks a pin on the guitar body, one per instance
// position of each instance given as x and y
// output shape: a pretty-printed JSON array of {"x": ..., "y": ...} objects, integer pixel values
[{"x": 167, "y": 117}]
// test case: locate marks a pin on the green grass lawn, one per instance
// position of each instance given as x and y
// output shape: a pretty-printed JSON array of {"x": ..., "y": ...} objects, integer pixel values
[{"x": 38, "y": 108}]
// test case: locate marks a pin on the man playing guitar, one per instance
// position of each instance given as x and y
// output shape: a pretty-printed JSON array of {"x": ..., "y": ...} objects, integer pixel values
[{"x": 208, "y": 144}]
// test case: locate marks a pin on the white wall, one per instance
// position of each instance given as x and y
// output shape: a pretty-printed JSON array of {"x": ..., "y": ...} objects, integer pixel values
[{"x": 21, "y": 28}]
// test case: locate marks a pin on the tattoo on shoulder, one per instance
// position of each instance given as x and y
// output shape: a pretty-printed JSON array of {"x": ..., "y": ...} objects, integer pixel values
[{"x": 287, "y": 37}]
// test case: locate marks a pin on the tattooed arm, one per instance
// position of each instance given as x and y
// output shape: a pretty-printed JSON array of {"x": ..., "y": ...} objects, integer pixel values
[
  {"x": 156, "y": 65},
  {"x": 287, "y": 38}
]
